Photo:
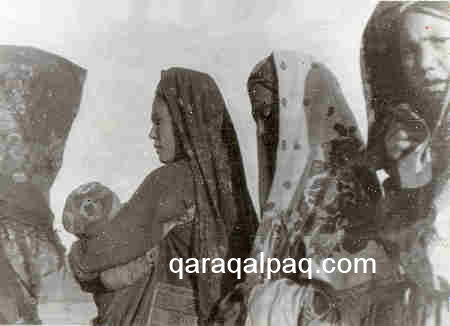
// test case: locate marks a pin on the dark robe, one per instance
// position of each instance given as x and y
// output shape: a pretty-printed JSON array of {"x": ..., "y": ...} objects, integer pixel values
[
  {"x": 210, "y": 179},
  {"x": 406, "y": 214}
]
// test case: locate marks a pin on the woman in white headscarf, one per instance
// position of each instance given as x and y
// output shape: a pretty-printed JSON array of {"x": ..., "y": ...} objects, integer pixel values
[{"x": 317, "y": 201}]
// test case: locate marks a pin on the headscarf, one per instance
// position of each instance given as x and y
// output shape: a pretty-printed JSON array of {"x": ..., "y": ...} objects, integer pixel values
[
  {"x": 382, "y": 75},
  {"x": 383, "y": 80},
  {"x": 320, "y": 199},
  {"x": 321, "y": 134},
  {"x": 224, "y": 206},
  {"x": 41, "y": 92},
  {"x": 40, "y": 95}
]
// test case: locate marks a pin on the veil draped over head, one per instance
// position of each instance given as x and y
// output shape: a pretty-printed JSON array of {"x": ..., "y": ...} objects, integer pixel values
[
  {"x": 207, "y": 176},
  {"x": 40, "y": 95},
  {"x": 410, "y": 212},
  {"x": 317, "y": 134},
  {"x": 225, "y": 211},
  {"x": 320, "y": 201},
  {"x": 382, "y": 74}
]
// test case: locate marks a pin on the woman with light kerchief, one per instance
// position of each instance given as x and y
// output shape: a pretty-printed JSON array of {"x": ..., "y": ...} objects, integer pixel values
[{"x": 318, "y": 201}]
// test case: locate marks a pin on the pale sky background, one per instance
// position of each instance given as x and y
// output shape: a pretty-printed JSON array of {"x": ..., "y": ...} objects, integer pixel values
[{"x": 125, "y": 44}]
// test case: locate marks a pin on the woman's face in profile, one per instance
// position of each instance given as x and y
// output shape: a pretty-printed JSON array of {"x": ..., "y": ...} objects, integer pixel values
[{"x": 162, "y": 132}]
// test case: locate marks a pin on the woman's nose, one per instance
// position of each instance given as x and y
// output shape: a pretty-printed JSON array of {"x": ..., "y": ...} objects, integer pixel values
[{"x": 428, "y": 58}]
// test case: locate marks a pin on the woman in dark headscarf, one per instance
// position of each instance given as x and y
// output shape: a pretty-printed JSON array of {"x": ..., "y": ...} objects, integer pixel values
[
  {"x": 406, "y": 72},
  {"x": 196, "y": 206},
  {"x": 40, "y": 95}
]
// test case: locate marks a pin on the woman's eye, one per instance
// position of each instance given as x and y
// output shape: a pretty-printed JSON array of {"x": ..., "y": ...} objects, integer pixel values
[{"x": 440, "y": 40}]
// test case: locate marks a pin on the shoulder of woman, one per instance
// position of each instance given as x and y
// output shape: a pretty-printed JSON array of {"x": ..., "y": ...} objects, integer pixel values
[{"x": 172, "y": 174}]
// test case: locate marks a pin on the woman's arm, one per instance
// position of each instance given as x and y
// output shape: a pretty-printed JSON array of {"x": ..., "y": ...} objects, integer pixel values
[
  {"x": 126, "y": 237},
  {"x": 89, "y": 282},
  {"x": 128, "y": 274}
]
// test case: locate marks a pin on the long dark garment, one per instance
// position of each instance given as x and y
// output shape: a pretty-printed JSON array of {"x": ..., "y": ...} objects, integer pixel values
[
  {"x": 405, "y": 212},
  {"x": 210, "y": 181},
  {"x": 40, "y": 96}
]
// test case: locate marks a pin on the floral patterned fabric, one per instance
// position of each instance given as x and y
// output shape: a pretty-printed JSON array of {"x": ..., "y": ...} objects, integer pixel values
[
  {"x": 40, "y": 96},
  {"x": 321, "y": 203}
]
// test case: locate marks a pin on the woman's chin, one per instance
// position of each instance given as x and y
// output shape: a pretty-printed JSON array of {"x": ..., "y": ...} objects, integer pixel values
[{"x": 165, "y": 160}]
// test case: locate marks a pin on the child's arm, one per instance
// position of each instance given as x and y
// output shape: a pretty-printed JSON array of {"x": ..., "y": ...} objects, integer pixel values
[
  {"x": 126, "y": 275},
  {"x": 88, "y": 282}
]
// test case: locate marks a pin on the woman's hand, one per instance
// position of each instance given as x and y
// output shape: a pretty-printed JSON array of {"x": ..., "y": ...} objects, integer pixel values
[{"x": 407, "y": 143}]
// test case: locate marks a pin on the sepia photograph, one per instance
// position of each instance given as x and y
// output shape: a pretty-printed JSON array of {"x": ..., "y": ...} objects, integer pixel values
[{"x": 225, "y": 163}]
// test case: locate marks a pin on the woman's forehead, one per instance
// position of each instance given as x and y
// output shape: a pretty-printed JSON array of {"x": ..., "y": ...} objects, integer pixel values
[
  {"x": 159, "y": 108},
  {"x": 418, "y": 25}
]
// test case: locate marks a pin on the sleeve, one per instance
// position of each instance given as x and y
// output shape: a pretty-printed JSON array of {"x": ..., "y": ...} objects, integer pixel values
[
  {"x": 126, "y": 237},
  {"x": 403, "y": 207},
  {"x": 89, "y": 282},
  {"x": 128, "y": 274}
]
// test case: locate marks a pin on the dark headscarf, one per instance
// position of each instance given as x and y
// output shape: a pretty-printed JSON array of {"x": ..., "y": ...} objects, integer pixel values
[
  {"x": 388, "y": 100},
  {"x": 224, "y": 206},
  {"x": 267, "y": 122},
  {"x": 381, "y": 70}
]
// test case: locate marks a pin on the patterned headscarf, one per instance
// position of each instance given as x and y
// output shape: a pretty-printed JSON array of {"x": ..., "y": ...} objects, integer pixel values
[
  {"x": 320, "y": 201},
  {"x": 317, "y": 134},
  {"x": 224, "y": 206}
]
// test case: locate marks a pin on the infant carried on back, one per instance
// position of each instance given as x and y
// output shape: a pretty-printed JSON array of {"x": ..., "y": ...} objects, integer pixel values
[{"x": 86, "y": 205}]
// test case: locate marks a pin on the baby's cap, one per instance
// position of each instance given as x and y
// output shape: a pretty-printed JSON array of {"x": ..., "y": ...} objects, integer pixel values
[{"x": 88, "y": 203}]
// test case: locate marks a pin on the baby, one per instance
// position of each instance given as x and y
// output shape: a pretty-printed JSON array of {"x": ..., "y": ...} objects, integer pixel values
[{"x": 85, "y": 205}]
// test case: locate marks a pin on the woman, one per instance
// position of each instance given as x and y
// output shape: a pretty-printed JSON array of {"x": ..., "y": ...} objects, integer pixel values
[
  {"x": 40, "y": 95},
  {"x": 405, "y": 66},
  {"x": 195, "y": 206},
  {"x": 318, "y": 200}
]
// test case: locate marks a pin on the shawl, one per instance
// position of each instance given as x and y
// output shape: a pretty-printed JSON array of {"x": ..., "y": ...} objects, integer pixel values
[
  {"x": 309, "y": 95},
  {"x": 224, "y": 219},
  {"x": 321, "y": 200},
  {"x": 382, "y": 74},
  {"x": 409, "y": 212},
  {"x": 209, "y": 140},
  {"x": 40, "y": 96}
]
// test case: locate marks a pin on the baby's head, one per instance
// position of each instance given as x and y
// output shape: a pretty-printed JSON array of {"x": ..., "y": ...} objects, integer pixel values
[{"x": 89, "y": 203}]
